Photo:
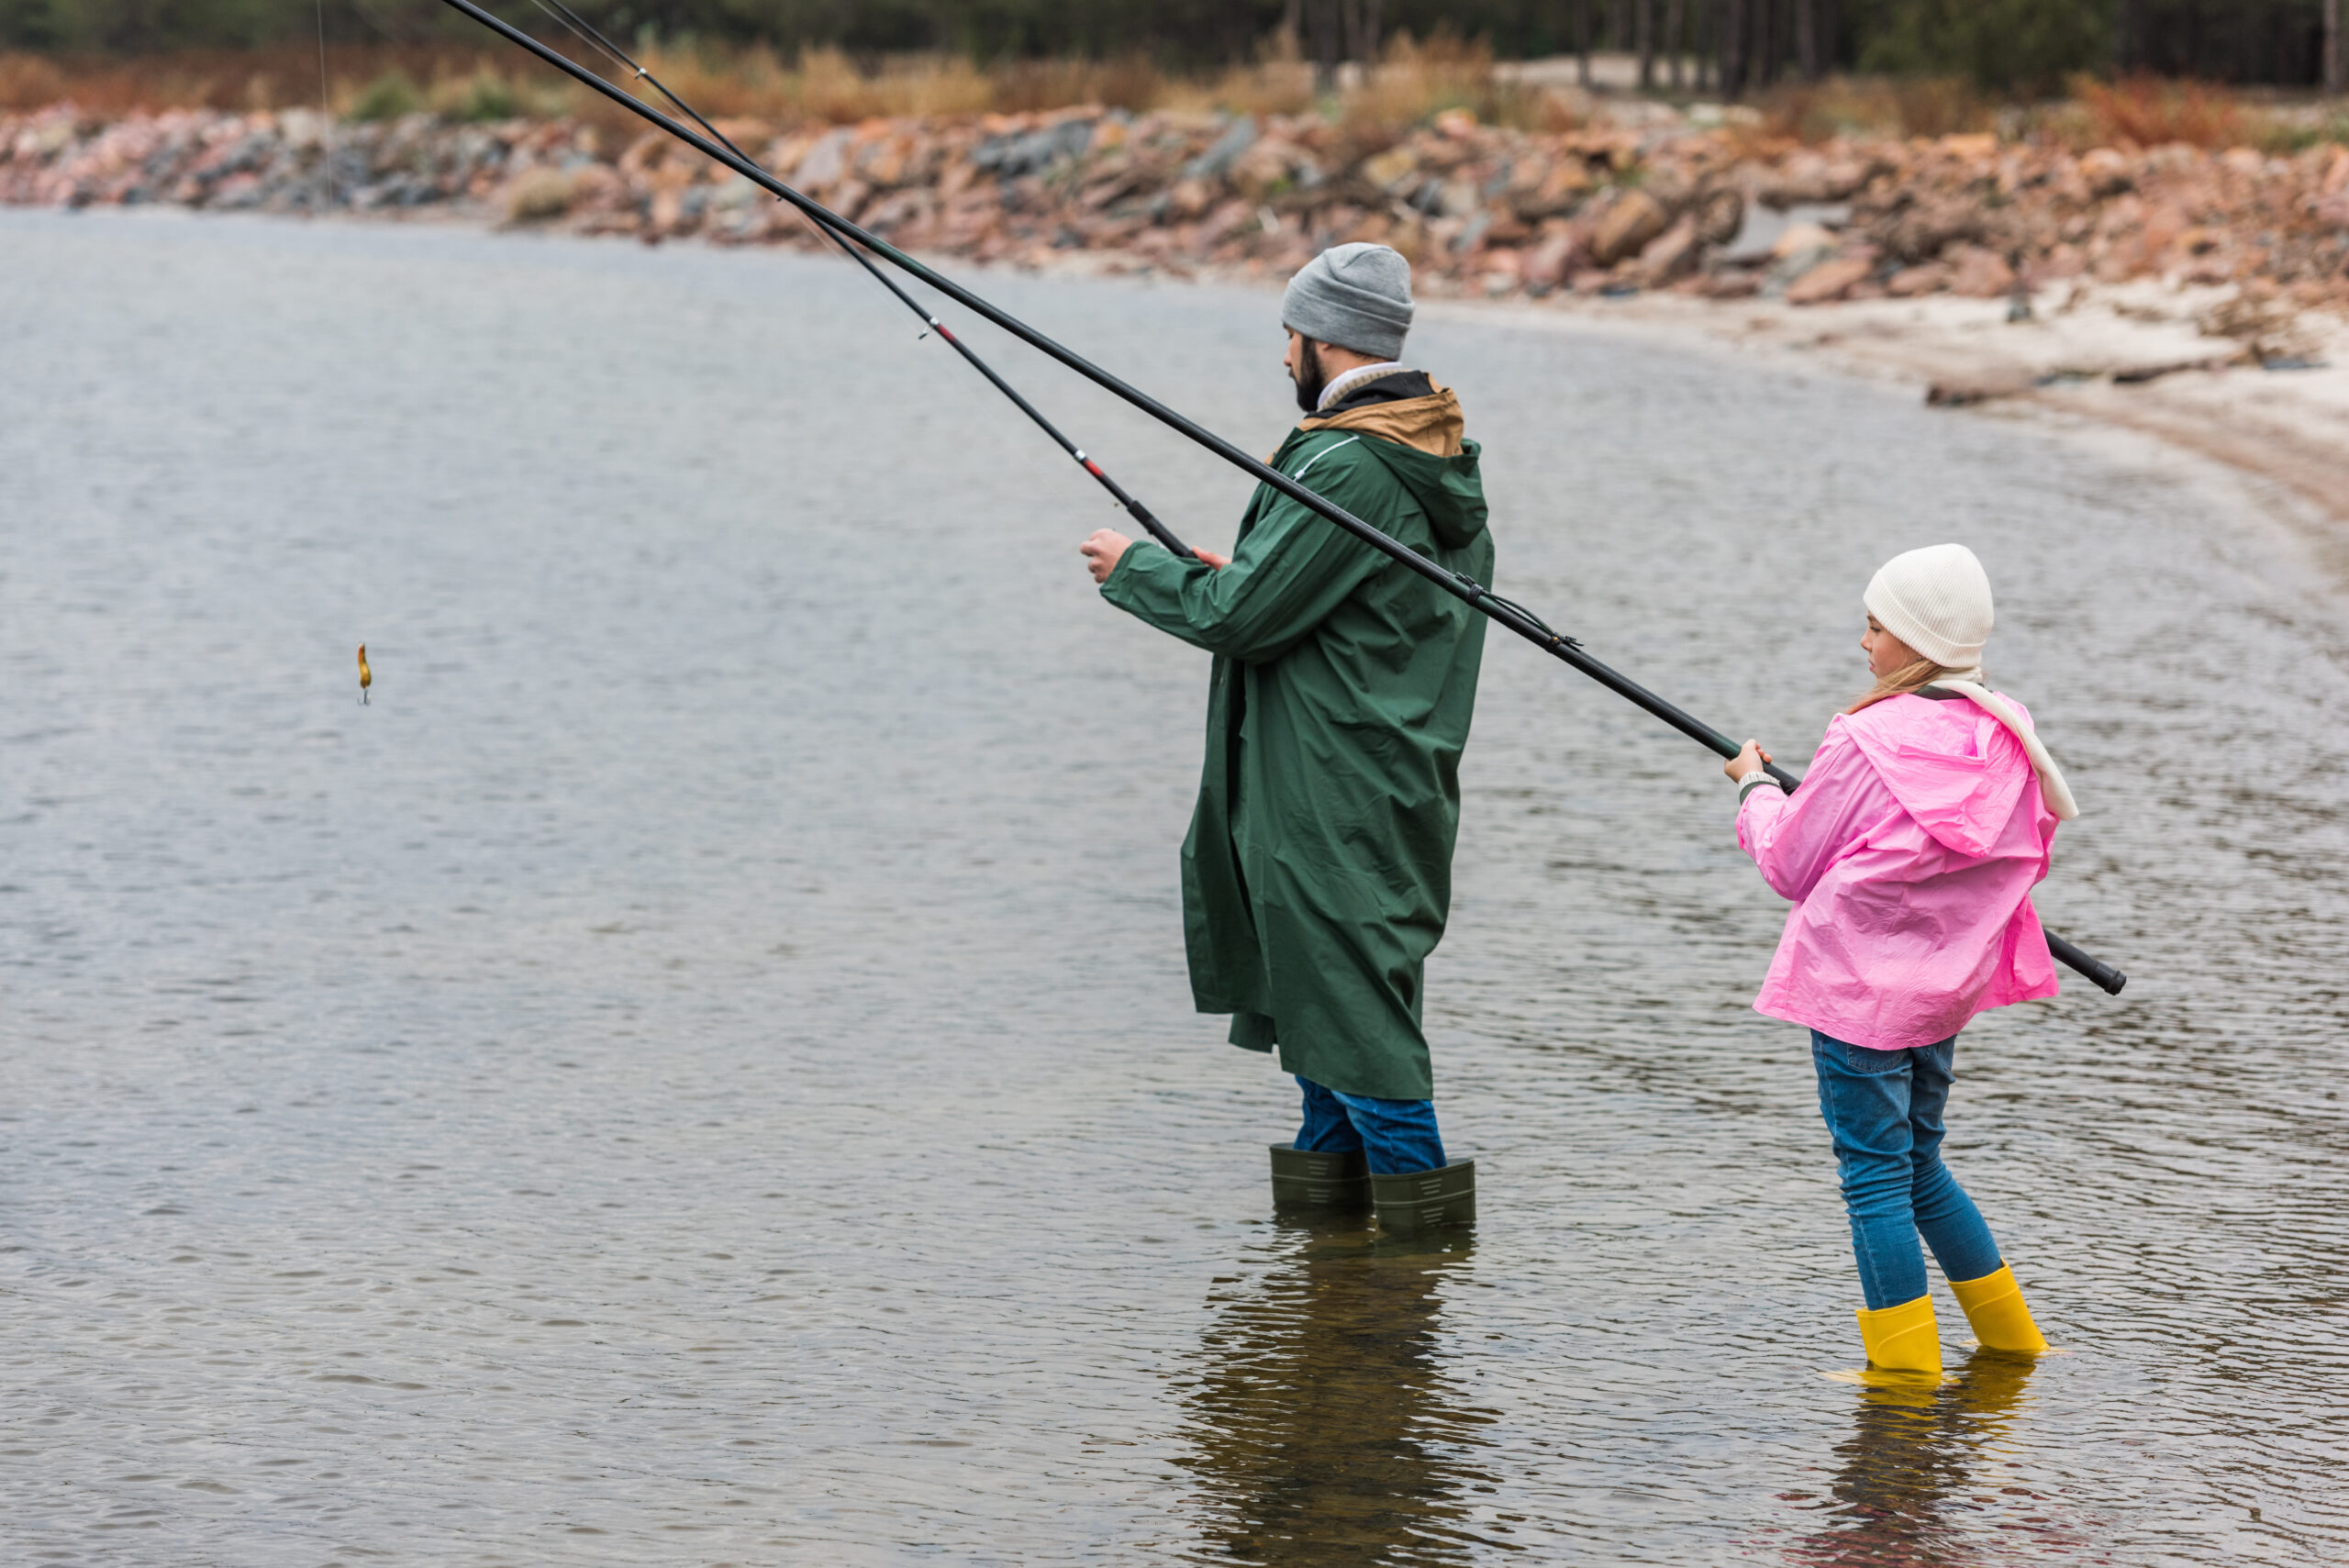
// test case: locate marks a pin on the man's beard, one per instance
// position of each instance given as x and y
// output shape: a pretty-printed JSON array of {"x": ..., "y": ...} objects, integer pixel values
[{"x": 1309, "y": 374}]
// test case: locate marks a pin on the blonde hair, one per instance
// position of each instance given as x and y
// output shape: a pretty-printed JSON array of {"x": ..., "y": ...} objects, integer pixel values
[{"x": 1909, "y": 677}]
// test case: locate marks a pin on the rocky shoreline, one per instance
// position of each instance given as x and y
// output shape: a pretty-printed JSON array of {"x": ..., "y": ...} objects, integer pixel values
[
  {"x": 2150, "y": 288},
  {"x": 1659, "y": 204}
]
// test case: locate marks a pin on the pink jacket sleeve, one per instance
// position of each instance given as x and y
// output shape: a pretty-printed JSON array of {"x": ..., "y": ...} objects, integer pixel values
[{"x": 1795, "y": 838}]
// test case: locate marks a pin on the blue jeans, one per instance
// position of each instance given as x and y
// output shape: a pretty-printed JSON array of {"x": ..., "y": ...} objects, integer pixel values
[
  {"x": 1398, "y": 1135},
  {"x": 1884, "y": 1109}
]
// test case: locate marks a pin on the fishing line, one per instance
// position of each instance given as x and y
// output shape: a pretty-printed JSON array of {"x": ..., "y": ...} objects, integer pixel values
[
  {"x": 1457, "y": 584},
  {"x": 326, "y": 112},
  {"x": 591, "y": 35}
]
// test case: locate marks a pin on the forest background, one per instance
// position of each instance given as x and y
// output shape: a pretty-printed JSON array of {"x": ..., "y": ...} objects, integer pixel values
[{"x": 2011, "y": 47}]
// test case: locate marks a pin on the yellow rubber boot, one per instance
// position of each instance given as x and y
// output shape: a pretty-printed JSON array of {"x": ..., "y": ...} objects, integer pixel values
[
  {"x": 1902, "y": 1338},
  {"x": 1994, "y": 1304}
]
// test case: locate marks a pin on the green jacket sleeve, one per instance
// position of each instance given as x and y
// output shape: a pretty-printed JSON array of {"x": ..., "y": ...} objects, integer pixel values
[{"x": 1290, "y": 569}]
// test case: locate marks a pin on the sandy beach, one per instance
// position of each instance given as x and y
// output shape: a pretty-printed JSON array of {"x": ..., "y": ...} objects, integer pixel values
[{"x": 2139, "y": 357}]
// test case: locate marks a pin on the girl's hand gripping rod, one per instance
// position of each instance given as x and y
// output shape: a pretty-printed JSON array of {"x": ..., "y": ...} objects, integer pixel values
[{"x": 1475, "y": 594}]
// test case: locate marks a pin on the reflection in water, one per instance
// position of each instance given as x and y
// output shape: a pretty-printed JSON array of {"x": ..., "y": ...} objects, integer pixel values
[
  {"x": 1324, "y": 1426},
  {"x": 1917, "y": 1474}
]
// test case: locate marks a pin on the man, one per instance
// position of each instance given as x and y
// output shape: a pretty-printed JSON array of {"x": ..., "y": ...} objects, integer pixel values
[{"x": 1317, "y": 875}]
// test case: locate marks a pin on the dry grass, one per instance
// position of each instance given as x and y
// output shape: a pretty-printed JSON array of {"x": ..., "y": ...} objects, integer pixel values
[
  {"x": 1413, "y": 82},
  {"x": 2147, "y": 111},
  {"x": 280, "y": 77},
  {"x": 1875, "y": 105}
]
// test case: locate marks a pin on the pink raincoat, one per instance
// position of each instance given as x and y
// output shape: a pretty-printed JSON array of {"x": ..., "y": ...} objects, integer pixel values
[{"x": 1909, "y": 853}]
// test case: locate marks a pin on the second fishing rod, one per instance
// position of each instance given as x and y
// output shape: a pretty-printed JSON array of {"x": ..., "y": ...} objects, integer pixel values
[
  {"x": 1482, "y": 598},
  {"x": 593, "y": 37},
  {"x": 1475, "y": 594}
]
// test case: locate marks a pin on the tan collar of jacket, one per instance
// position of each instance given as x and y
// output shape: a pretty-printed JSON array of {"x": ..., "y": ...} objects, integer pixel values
[{"x": 1434, "y": 424}]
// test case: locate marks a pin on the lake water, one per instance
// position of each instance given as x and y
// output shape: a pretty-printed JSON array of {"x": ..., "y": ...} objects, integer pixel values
[{"x": 699, "y": 1071}]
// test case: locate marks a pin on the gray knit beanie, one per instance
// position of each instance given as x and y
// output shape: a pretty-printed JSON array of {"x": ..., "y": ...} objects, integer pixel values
[
  {"x": 1354, "y": 297},
  {"x": 1937, "y": 600}
]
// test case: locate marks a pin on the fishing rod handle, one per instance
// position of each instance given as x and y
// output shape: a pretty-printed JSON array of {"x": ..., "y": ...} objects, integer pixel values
[
  {"x": 2103, "y": 975},
  {"x": 1142, "y": 514}
]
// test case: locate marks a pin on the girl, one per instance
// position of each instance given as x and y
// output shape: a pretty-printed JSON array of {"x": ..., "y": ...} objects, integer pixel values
[{"x": 1910, "y": 853}]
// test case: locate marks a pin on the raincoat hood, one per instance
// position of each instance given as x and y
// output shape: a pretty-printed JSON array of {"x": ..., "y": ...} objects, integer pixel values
[
  {"x": 1952, "y": 766},
  {"x": 1421, "y": 441}
]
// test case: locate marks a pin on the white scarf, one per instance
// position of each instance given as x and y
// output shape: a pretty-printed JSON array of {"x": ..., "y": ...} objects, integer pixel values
[
  {"x": 1340, "y": 385},
  {"x": 2052, "y": 788}
]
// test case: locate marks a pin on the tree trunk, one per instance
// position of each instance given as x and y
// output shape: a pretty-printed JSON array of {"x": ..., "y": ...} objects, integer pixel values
[
  {"x": 2127, "y": 24},
  {"x": 2336, "y": 69},
  {"x": 1644, "y": 27},
  {"x": 1362, "y": 31},
  {"x": 1676, "y": 41},
  {"x": 1325, "y": 22},
  {"x": 1807, "y": 38},
  {"x": 1732, "y": 48},
  {"x": 1582, "y": 41}
]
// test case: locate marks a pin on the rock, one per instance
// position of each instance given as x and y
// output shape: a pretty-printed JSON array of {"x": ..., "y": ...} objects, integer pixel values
[
  {"x": 1218, "y": 160},
  {"x": 1271, "y": 166},
  {"x": 1830, "y": 280},
  {"x": 1957, "y": 393},
  {"x": 1392, "y": 170},
  {"x": 1719, "y": 216},
  {"x": 1921, "y": 230},
  {"x": 1808, "y": 176},
  {"x": 2337, "y": 173},
  {"x": 1670, "y": 256},
  {"x": 537, "y": 196},
  {"x": 1730, "y": 285},
  {"x": 1016, "y": 155},
  {"x": 824, "y": 163},
  {"x": 2106, "y": 172},
  {"x": 1802, "y": 238},
  {"x": 1626, "y": 228},
  {"x": 1495, "y": 207},
  {"x": 1908, "y": 282},
  {"x": 1546, "y": 265},
  {"x": 1978, "y": 274},
  {"x": 1458, "y": 198},
  {"x": 1560, "y": 190}
]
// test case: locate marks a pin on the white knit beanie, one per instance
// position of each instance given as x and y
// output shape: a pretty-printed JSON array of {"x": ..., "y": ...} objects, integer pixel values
[{"x": 1937, "y": 600}]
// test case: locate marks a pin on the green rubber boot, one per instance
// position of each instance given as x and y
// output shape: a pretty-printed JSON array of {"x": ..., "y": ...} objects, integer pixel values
[
  {"x": 1418, "y": 1202},
  {"x": 1319, "y": 1183}
]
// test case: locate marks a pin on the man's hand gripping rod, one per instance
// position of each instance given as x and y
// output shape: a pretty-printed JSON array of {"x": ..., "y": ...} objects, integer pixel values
[
  {"x": 591, "y": 35},
  {"x": 1461, "y": 587}
]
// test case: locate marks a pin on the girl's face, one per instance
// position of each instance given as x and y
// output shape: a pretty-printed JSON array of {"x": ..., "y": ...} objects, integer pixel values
[{"x": 1887, "y": 654}]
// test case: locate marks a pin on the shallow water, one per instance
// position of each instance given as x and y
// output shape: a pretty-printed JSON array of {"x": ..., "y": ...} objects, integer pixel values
[{"x": 699, "y": 1071}]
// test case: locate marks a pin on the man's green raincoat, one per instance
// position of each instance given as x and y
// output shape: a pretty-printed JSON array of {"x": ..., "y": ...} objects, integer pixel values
[{"x": 1317, "y": 875}]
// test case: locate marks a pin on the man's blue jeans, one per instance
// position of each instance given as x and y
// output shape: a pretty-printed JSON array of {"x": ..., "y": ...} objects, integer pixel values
[
  {"x": 1884, "y": 1109},
  {"x": 1397, "y": 1134}
]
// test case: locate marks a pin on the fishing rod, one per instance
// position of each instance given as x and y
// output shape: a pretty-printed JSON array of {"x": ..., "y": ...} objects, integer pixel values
[
  {"x": 1477, "y": 596},
  {"x": 593, "y": 37}
]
